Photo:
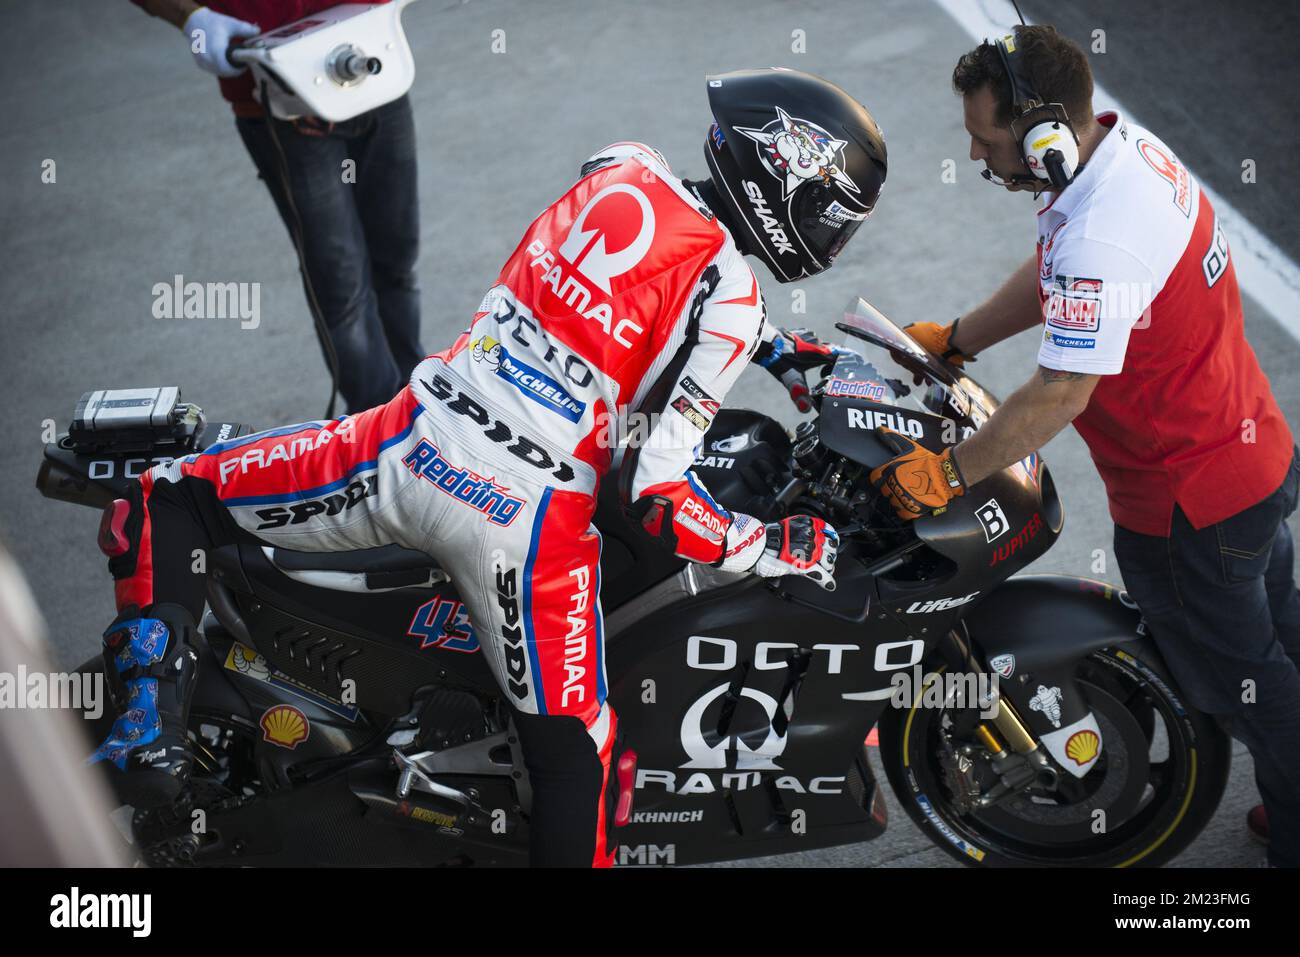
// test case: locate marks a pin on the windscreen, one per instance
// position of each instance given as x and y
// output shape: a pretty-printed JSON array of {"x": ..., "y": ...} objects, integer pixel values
[{"x": 883, "y": 364}]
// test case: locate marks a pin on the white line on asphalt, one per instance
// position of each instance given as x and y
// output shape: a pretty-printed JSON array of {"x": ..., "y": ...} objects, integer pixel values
[{"x": 1266, "y": 273}]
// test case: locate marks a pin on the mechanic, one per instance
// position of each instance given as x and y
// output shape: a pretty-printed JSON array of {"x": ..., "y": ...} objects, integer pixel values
[
  {"x": 1143, "y": 349},
  {"x": 629, "y": 293},
  {"x": 357, "y": 241}
]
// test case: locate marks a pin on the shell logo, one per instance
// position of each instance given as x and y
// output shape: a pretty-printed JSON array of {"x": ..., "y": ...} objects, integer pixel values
[
  {"x": 1082, "y": 746},
  {"x": 285, "y": 726}
]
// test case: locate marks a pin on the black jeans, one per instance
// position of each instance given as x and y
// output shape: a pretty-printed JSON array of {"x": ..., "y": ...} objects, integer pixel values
[
  {"x": 1221, "y": 603},
  {"x": 360, "y": 240}
]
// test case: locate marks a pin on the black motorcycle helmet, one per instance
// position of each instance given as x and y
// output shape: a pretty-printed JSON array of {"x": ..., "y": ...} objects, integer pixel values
[{"x": 797, "y": 163}]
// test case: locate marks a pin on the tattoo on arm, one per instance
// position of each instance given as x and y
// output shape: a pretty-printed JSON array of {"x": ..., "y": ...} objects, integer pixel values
[{"x": 1058, "y": 375}]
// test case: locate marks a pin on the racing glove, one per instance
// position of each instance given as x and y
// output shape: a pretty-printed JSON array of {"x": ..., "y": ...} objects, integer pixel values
[
  {"x": 209, "y": 35},
  {"x": 789, "y": 354},
  {"x": 917, "y": 481},
  {"x": 800, "y": 545},
  {"x": 937, "y": 340}
]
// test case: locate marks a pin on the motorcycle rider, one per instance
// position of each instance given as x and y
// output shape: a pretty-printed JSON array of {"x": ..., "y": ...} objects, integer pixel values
[{"x": 628, "y": 294}]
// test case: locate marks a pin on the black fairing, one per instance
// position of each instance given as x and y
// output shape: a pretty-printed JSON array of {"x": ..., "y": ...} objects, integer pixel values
[
  {"x": 1021, "y": 624},
  {"x": 743, "y": 462},
  {"x": 1023, "y": 618},
  {"x": 998, "y": 527},
  {"x": 700, "y": 681},
  {"x": 390, "y": 643}
]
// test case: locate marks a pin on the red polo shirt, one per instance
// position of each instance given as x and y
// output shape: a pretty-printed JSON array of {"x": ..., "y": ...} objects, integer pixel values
[{"x": 1137, "y": 285}]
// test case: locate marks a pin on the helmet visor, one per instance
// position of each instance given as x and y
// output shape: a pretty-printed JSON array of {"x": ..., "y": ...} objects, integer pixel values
[{"x": 822, "y": 222}]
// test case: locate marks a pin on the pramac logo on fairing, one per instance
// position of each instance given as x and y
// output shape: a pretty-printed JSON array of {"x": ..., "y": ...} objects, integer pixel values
[{"x": 702, "y": 754}]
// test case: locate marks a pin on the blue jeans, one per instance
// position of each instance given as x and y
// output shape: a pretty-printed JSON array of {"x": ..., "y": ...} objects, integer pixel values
[
  {"x": 1221, "y": 604},
  {"x": 360, "y": 240}
]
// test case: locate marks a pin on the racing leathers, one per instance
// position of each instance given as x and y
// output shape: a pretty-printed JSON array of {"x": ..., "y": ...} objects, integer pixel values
[{"x": 626, "y": 312}]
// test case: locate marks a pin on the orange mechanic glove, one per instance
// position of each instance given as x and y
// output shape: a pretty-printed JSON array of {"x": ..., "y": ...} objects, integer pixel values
[
  {"x": 917, "y": 482},
  {"x": 937, "y": 340}
]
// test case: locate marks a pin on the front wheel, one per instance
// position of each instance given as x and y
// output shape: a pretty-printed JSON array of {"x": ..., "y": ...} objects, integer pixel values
[{"x": 1158, "y": 780}]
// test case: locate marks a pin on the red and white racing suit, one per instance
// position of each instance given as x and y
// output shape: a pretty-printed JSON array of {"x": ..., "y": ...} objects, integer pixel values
[{"x": 626, "y": 308}]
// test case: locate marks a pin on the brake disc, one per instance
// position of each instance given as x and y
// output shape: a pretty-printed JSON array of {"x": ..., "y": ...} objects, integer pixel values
[{"x": 1117, "y": 784}]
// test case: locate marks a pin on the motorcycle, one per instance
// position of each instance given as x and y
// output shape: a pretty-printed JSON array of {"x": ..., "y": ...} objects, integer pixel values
[{"x": 344, "y": 714}]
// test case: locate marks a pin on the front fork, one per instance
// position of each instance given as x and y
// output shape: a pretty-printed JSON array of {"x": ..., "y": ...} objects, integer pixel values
[{"x": 1013, "y": 743}]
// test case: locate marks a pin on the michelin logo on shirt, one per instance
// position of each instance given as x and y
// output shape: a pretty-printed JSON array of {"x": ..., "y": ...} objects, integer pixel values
[
  {"x": 533, "y": 383},
  {"x": 1070, "y": 342}
]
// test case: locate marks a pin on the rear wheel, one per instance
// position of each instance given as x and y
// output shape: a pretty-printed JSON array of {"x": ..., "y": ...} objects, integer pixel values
[{"x": 1159, "y": 778}]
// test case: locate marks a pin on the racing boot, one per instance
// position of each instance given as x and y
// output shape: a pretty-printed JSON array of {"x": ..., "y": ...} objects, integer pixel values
[{"x": 150, "y": 664}]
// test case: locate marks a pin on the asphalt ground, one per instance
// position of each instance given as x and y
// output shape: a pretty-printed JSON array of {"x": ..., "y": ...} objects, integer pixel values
[{"x": 152, "y": 182}]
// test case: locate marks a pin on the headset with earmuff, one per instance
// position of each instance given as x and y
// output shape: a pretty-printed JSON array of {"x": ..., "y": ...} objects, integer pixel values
[{"x": 1048, "y": 145}]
